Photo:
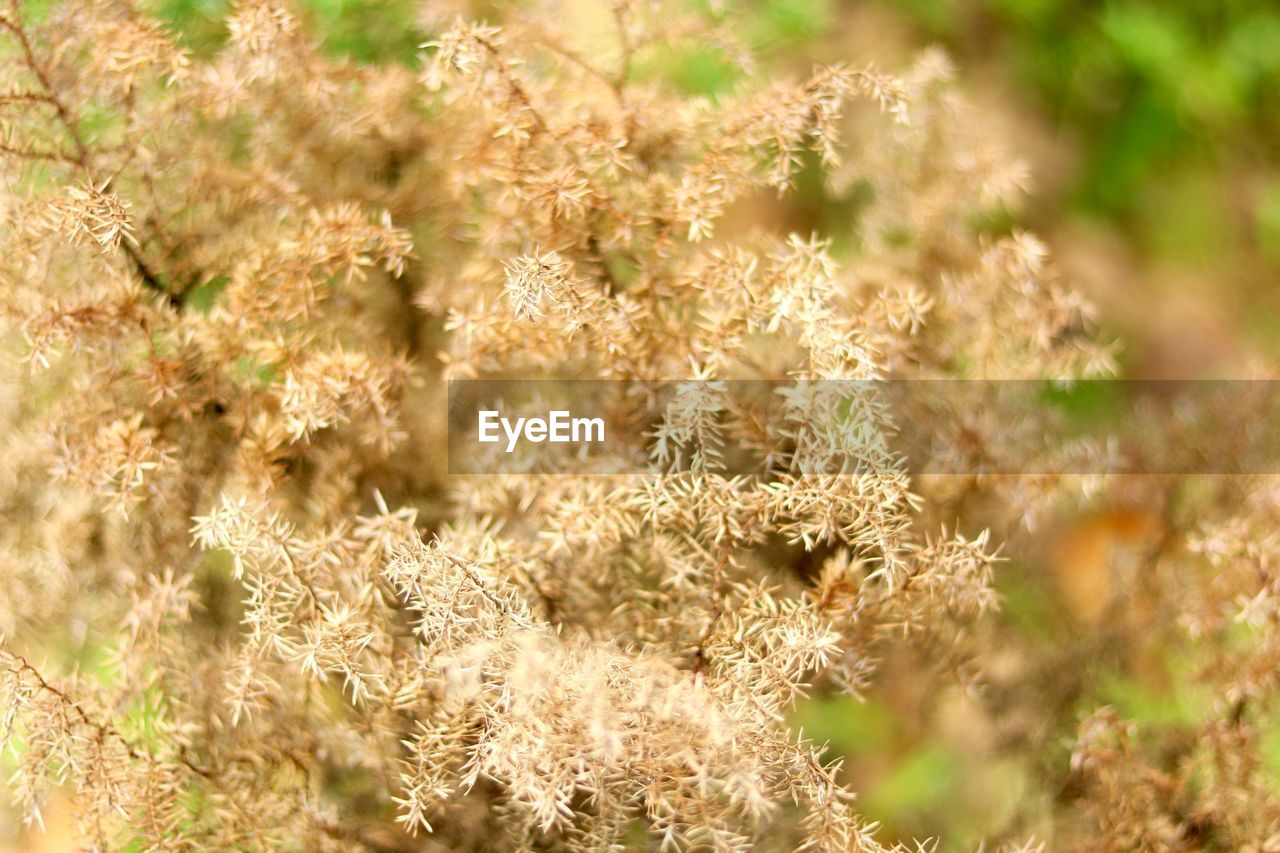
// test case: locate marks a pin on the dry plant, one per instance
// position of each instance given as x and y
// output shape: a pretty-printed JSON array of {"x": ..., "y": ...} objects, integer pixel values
[
  {"x": 1204, "y": 784},
  {"x": 233, "y": 286}
]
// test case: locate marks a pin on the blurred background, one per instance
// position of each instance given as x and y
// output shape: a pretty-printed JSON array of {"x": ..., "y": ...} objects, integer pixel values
[{"x": 1152, "y": 130}]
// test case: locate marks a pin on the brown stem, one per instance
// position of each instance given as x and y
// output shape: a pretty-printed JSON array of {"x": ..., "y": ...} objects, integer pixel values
[{"x": 82, "y": 157}]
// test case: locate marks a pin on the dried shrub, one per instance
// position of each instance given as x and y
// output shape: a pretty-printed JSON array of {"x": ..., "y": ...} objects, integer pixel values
[{"x": 233, "y": 286}]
